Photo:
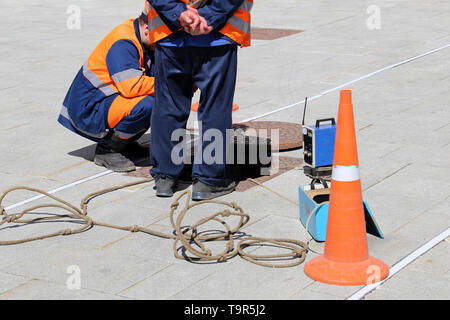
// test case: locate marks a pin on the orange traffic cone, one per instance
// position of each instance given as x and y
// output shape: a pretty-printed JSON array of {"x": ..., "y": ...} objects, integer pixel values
[
  {"x": 194, "y": 106},
  {"x": 346, "y": 260}
]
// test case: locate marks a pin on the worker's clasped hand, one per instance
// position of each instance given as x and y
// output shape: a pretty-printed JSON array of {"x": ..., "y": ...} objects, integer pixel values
[{"x": 193, "y": 23}]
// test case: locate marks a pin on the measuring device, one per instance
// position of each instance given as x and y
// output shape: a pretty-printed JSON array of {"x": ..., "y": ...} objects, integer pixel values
[{"x": 318, "y": 147}]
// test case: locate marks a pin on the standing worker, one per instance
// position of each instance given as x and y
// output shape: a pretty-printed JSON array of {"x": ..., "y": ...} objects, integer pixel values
[
  {"x": 196, "y": 46},
  {"x": 111, "y": 99}
]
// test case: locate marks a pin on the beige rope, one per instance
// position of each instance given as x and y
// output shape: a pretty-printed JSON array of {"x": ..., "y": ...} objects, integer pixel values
[{"x": 191, "y": 240}]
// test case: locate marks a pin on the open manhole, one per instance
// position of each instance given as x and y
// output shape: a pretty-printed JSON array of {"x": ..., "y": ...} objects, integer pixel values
[
  {"x": 256, "y": 136},
  {"x": 287, "y": 134}
]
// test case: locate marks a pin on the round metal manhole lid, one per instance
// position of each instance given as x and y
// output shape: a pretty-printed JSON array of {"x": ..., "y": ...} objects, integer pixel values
[{"x": 289, "y": 134}]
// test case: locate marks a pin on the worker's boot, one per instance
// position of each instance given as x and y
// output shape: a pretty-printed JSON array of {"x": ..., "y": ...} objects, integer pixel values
[
  {"x": 136, "y": 150},
  {"x": 202, "y": 191},
  {"x": 108, "y": 153},
  {"x": 165, "y": 186}
]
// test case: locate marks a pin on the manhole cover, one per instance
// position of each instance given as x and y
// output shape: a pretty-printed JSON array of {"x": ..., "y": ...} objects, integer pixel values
[
  {"x": 272, "y": 34},
  {"x": 289, "y": 134}
]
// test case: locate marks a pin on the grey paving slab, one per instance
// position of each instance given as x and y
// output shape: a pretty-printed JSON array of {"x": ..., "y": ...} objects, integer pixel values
[
  {"x": 99, "y": 269},
  {"x": 17, "y": 253},
  {"x": 169, "y": 282},
  {"x": 245, "y": 281},
  {"x": 428, "y": 270},
  {"x": 12, "y": 180},
  {"x": 9, "y": 281},
  {"x": 434, "y": 261},
  {"x": 416, "y": 180},
  {"x": 307, "y": 294},
  {"x": 424, "y": 226},
  {"x": 43, "y": 290},
  {"x": 144, "y": 245},
  {"x": 341, "y": 292}
]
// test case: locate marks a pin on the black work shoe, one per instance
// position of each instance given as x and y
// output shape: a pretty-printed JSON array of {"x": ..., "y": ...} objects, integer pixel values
[
  {"x": 112, "y": 160},
  {"x": 164, "y": 186},
  {"x": 202, "y": 191},
  {"x": 135, "y": 150}
]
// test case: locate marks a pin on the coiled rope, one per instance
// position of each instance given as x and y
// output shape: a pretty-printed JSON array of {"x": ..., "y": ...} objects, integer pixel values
[{"x": 192, "y": 241}]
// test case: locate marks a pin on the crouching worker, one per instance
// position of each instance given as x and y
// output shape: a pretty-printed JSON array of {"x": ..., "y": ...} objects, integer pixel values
[{"x": 111, "y": 99}]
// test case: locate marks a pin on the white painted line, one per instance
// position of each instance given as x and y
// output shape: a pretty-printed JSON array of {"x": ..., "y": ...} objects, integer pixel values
[
  {"x": 347, "y": 83},
  {"x": 402, "y": 264},
  {"x": 67, "y": 186},
  {"x": 280, "y": 109}
]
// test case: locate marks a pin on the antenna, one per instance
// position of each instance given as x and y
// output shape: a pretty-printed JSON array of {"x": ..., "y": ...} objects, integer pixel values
[{"x": 304, "y": 111}]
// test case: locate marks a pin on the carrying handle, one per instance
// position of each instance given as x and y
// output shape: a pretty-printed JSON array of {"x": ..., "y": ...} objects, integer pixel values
[
  {"x": 313, "y": 181},
  {"x": 333, "y": 122}
]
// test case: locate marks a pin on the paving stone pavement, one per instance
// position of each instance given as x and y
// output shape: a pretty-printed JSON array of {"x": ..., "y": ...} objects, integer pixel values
[{"x": 402, "y": 120}]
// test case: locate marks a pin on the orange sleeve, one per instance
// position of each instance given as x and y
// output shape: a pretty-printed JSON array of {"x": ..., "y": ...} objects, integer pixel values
[{"x": 130, "y": 84}]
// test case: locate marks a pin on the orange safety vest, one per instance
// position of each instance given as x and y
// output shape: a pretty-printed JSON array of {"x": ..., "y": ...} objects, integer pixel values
[
  {"x": 236, "y": 28},
  {"x": 94, "y": 82},
  {"x": 131, "y": 83}
]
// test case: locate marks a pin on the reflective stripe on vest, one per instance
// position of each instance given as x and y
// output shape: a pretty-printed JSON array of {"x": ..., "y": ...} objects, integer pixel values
[
  {"x": 241, "y": 18},
  {"x": 96, "y": 82},
  {"x": 95, "y": 68},
  {"x": 156, "y": 26},
  {"x": 126, "y": 74},
  {"x": 236, "y": 28},
  {"x": 65, "y": 113}
]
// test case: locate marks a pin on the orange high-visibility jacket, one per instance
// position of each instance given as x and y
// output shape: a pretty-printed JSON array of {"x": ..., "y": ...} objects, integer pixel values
[
  {"x": 116, "y": 67},
  {"x": 237, "y": 27}
]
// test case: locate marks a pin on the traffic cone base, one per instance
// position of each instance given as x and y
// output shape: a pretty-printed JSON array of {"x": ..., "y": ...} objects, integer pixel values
[{"x": 346, "y": 273}]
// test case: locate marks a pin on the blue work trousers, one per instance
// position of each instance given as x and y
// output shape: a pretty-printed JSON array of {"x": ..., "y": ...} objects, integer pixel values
[{"x": 177, "y": 71}]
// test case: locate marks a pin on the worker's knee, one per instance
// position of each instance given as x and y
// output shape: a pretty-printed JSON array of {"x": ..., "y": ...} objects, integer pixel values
[
  {"x": 144, "y": 108},
  {"x": 138, "y": 119}
]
